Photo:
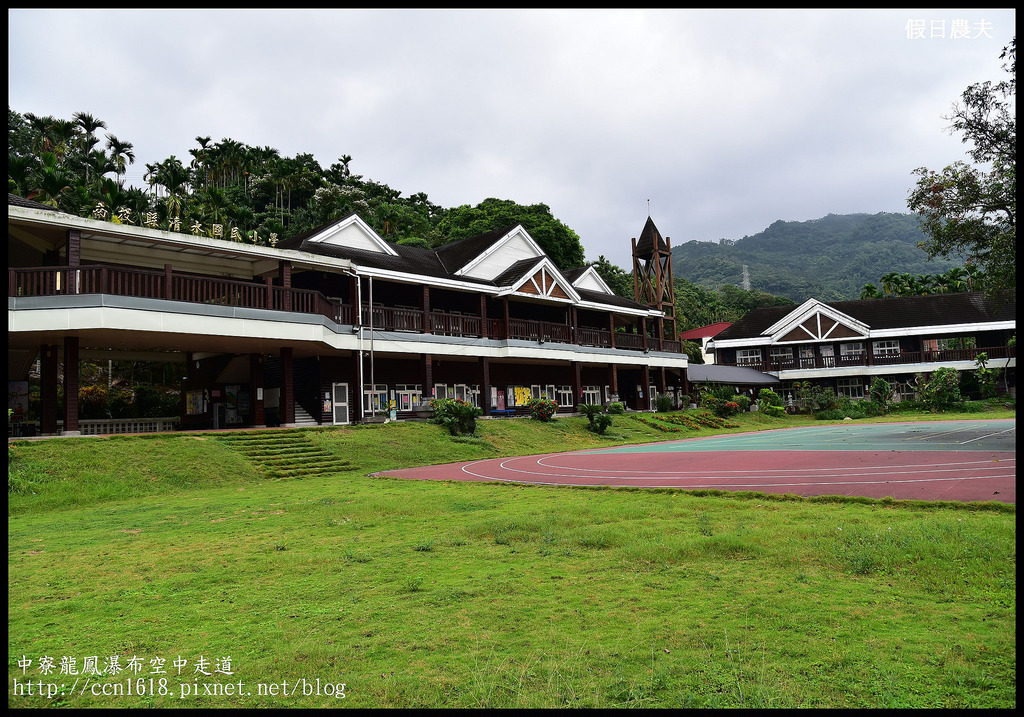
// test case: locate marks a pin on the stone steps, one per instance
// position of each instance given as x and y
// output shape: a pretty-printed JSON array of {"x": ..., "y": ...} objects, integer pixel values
[{"x": 284, "y": 453}]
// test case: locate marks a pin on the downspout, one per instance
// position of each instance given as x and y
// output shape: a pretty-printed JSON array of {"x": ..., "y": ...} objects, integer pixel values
[
  {"x": 358, "y": 318},
  {"x": 373, "y": 386}
]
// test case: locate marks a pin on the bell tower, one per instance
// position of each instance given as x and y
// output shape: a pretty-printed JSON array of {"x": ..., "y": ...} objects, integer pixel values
[{"x": 652, "y": 276}]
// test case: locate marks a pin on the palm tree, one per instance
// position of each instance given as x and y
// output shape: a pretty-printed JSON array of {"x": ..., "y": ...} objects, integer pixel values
[
  {"x": 97, "y": 163},
  {"x": 18, "y": 172},
  {"x": 122, "y": 153},
  {"x": 88, "y": 123},
  {"x": 215, "y": 205},
  {"x": 891, "y": 283},
  {"x": 40, "y": 127},
  {"x": 870, "y": 291},
  {"x": 112, "y": 194},
  {"x": 62, "y": 136},
  {"x": 174, "y": 177},
  {"x": 200, "y": 159},
  {"x": 955, "y": 280},
  {"x": 51, "y": 181}
]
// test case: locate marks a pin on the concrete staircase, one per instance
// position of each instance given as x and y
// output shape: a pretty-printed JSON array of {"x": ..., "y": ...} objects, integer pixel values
[
  {"x": 284, "y": 453},
  {"x": 303, "y": 418}
]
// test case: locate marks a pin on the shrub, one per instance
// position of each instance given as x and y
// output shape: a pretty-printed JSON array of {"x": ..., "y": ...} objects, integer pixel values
[
  {"x": 851, "y": 408},
  {"x": 93, "y": 402},
  {"x": 709, "y": 394},
  {"x": 542, "y": 409},
  {"x": 872, "y": 409},
  {"x": 941, "y": 391},
  {"x": 882, "y": 395},
  {"x": 985, "y": 377},
  {"x": 906, "y": 406},
  {"x": 458, "y": 416},
  {"x": 600, "y": 423},
  {"x": 616, "y": 408},
  {"x": 845, "y": 408},
  {"x": 813, "y": 398},
  {"x": 769, "y": 402},
  {"x": 744, "y": 402},
  {"x": 591, "y": 411},
  {"x": 663, "y": 403},
  {"x": 722, "y": 408}
]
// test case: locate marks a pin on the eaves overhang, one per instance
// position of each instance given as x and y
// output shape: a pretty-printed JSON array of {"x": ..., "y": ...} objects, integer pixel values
[{"x": 146, "y": 239}]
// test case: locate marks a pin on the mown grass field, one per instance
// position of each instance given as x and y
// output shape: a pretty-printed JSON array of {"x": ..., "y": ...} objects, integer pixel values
[{"x": 434, "y": 594}]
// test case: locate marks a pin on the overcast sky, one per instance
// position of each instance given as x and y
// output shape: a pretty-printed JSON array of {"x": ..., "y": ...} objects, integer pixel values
[{"x": 725, "y": 120}]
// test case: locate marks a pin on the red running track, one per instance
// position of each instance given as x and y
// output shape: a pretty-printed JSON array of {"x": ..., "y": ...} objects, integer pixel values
[{"x": 904, "y": 475}]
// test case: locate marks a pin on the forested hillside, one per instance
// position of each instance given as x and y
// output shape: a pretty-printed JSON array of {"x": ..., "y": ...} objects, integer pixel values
[
  {"x": 248, "y": 194},
  {"x": 831, "y": 258}
]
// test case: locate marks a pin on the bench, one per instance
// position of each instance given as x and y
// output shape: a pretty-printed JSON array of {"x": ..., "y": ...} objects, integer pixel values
[{"x": 505, "y": 412}]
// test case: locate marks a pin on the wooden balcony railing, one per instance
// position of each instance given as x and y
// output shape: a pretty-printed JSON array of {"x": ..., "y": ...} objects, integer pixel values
[
  {"x": 888, "y": 359},
  {"x": 176, "y": 286},
  {"x": 147, "y": 284}
]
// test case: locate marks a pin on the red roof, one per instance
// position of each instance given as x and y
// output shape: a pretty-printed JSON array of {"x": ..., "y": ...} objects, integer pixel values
[{"x": 705, "y": 331}]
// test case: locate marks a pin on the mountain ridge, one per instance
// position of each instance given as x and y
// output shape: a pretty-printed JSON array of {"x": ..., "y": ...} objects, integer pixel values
[{"x": 830, "y": 258}]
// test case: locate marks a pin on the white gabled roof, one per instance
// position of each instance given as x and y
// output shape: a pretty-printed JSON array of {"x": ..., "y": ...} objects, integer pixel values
[
  {"x": 592, "y": 281},
  {"x": 815, "y": 319},
  {"x": 353, "y": 233},
  {"x": 499, "y": 256}
]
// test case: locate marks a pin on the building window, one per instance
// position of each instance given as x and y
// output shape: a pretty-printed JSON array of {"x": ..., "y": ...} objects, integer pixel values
[
  {"x": 748, "y": 356},
  {"x": 564, "y": 396},
  {"x": 890, "y": 347},
  {"x": 520, "y": 395},
  {"x": 851, "y": 349},
  {"x": 592, "y": 395},
  {"x": 375, "y": 399},
  {"x": 459, "y": 391},
  {"x": 781, "y": 354},
  {"x": 907, "y": 390},
  {"x": 407, "y": 396},
  {"x": 850, "y": 387}
]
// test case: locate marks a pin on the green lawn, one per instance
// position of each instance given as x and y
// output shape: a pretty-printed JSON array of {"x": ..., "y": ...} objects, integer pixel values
[{"x": 436, "y": 594}]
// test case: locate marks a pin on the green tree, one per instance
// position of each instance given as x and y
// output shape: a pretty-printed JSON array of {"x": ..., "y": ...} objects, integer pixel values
[
  {"x": 122, "y": 153},
  {"x": 941, "y": 390},
  {"x": 617, "y": 279},
  {"x": 970, "y": 210},
  {"x": 870, "y": 291}
]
